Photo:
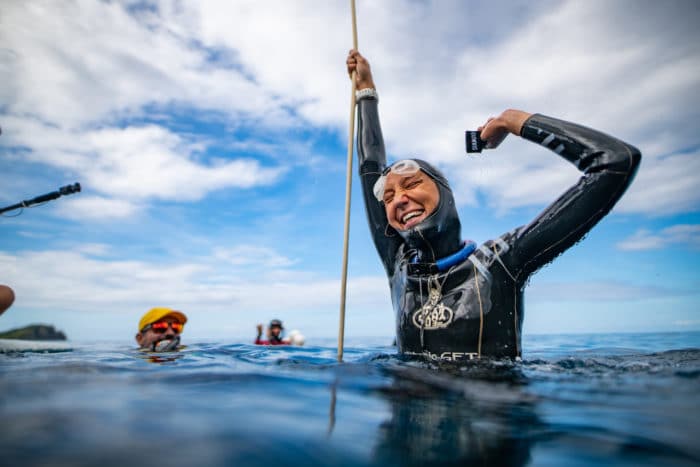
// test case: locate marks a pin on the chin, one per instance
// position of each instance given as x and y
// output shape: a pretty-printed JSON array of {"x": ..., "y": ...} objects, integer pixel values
[{"x": 412, "y": 226}]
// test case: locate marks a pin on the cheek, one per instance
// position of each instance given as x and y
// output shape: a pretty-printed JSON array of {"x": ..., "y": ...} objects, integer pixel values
[
  {"x": 431, "y": 205},
  {"x": 432, "y": 198},
  {"x": 390, "y": 217},
  {"x": 149, "y": 337},
  {"x": 387, "y": 211}
]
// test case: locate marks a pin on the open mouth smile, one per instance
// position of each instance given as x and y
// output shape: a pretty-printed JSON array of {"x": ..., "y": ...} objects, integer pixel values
[{"x": 411, "y": 218}]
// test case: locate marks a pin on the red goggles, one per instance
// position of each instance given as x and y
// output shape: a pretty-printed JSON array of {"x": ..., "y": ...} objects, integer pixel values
[{"x": 160, "y": 327}]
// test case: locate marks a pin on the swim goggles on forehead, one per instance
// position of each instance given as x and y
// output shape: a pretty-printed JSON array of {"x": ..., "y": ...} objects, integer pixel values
[
  {"x": 159, "y": 327},
  {"x": 404, "y": 168}
]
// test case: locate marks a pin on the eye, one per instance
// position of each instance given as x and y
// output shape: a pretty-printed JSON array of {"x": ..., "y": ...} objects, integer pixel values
[
  {"x": 412, "y": 182},
  {"x": 388, "y": 197}
]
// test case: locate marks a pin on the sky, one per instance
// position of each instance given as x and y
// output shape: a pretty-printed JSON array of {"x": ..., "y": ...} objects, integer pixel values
[{"x": 210, "y": 141}]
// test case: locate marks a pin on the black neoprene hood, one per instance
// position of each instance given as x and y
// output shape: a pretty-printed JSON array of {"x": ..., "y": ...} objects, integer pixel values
[{"x": 439, "y": 234}]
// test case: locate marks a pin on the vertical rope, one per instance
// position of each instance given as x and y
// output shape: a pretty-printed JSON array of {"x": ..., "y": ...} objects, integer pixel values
[{"x": 348, "y": 190}]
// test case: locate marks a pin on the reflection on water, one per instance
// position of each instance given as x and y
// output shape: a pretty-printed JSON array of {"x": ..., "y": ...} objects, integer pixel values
[
  {"x": 163, "y": 358},
  {"x": 212, "y": 404},
  {"x": 436, "y": 420}
]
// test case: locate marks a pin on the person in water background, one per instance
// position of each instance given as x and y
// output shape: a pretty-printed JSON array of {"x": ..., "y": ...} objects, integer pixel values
[
  {"x": 454, "y": 300},
  {"x": 7, "y": 298},
  {"x": 274, "y": 334},
  {"x": 160, "y": 329}
]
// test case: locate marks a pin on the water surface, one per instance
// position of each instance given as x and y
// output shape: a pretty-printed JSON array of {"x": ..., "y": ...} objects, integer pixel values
[{"x": 616, "y": 399}]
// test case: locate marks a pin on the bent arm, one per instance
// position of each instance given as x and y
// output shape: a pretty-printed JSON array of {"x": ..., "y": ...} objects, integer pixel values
[
  {"x": 608, "y": 167},
  {"x": 372, "y": 160}
]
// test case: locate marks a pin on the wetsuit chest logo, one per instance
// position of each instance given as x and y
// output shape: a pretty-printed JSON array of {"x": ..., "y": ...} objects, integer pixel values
[{"x": 433, "y": 315}]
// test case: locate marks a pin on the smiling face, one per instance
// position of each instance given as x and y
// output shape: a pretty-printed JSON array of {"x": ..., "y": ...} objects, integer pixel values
[
  {"x": 408, "y": 200},
  {"x": 164, "y": 329}
]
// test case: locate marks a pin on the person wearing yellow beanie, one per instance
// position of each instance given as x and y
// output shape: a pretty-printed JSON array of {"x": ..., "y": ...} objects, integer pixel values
[{"x": 160, "y": 329}]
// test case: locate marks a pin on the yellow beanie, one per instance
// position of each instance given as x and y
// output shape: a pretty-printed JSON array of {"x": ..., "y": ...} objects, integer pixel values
[{"x": 156, "y": 314}]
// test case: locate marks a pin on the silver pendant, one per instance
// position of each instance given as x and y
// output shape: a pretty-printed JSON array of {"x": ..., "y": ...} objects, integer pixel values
[{"x": 433, "y": 315}]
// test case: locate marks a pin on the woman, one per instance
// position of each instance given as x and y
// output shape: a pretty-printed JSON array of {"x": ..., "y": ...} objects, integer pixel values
[{"x": 452, "y": 300}]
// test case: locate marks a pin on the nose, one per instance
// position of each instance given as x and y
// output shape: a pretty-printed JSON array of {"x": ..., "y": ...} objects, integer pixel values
[{"x": 400, "y": 198}]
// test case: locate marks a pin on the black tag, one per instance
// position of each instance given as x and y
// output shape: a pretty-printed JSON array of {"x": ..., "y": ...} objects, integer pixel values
[
  {"x": 422, "y": 269},
  {"x": 474, "y": 141}
]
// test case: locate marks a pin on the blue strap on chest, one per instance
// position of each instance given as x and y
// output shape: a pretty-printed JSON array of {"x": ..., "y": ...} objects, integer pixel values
[
  {"x": 441, "y": 265},
  {"x": 446, "y": 263}
]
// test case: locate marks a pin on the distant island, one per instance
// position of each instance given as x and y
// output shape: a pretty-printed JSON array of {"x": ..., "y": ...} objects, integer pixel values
[{"x": 34, "y": 332}]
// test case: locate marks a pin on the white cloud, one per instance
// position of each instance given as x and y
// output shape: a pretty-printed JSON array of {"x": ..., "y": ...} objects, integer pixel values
[
  {"x": 94, "y": 249},
  {"x": 133, "y": 164},
  {"x": 84, "y": 280},
  {"x": 689, "y": 323},
  {"x": 441, "y": 67},
  {"x": 96, "y": 208},
  {"x": 665, "y": 185},
  {"x": 603, "y": 291},
  {"x": 295, "y": 49},
  {"x": 149, "y": 161},
  {"x": 512, "y": 176},
  {"x": 642, "y": 240},
  {"x": 253, "y": 256},
  {"x": 683, "y": 234},
  {"x": 603, "y": 71},
  {"x": 83, "y": 61}
]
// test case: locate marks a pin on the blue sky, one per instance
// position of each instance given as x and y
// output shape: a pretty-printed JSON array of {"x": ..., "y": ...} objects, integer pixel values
[{"x": 210, "y": 140}]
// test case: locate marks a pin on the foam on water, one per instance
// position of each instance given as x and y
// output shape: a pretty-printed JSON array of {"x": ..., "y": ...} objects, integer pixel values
[{"x": 573, "y": 400}]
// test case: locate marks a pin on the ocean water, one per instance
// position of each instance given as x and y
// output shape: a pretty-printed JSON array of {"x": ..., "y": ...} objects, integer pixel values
[{"x": 614, "y": 399}]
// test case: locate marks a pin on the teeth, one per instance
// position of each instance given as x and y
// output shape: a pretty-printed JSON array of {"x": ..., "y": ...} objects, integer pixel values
[{"x": 410, "y": 216}]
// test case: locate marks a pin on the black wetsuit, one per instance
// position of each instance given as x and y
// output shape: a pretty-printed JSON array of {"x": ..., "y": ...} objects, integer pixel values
[{"x": 475, "y": 307}]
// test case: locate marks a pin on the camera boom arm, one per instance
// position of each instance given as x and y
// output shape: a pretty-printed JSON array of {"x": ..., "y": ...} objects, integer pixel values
[{"x": 64, "y": 190}]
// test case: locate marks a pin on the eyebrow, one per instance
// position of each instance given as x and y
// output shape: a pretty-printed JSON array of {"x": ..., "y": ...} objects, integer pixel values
[
  {"x": 404, "y": 181},
  {"x": 410, "y": 178}
]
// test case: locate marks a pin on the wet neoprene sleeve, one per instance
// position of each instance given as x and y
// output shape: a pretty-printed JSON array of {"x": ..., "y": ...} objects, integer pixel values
[
  {"x": 372, "y": 160},
  {"x": 608, "y": 167}
]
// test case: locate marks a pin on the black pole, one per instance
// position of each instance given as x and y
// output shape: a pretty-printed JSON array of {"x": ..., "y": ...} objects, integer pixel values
[{"x": 64, "y": 190}]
